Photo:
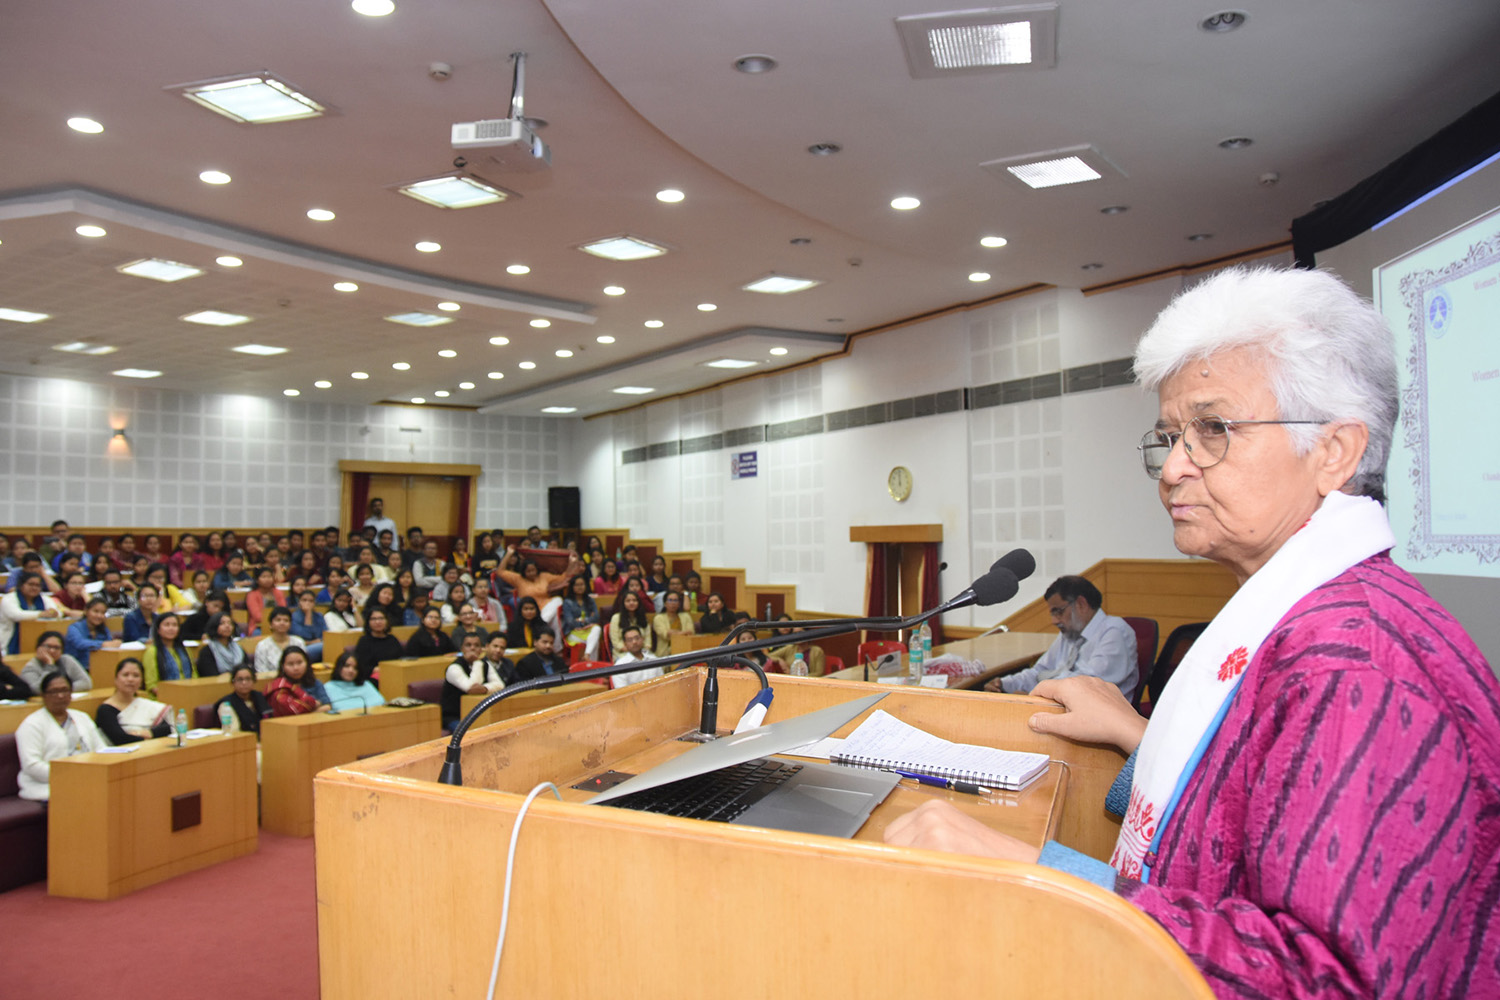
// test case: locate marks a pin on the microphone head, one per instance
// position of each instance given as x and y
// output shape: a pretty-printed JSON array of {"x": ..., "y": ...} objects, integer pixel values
[
  {"x": 1018, "y": 561},
  {"x": 995, "y": 587}
]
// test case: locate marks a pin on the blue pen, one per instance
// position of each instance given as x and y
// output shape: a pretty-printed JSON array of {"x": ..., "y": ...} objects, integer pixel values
[{"x": 967, "y": 787}]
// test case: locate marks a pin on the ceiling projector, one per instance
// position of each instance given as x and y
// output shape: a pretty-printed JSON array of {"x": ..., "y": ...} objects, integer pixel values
[{"x": 509, "y": 142}]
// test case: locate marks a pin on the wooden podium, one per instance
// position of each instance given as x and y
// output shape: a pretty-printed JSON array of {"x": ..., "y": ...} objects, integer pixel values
[{"x": 616, "y": 903}]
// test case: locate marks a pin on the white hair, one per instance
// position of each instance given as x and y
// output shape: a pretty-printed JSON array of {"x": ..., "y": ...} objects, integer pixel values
[{"x": 1330, "y": 355}]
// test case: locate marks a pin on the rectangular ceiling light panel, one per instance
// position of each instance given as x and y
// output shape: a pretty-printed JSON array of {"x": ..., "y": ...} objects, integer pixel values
[
  {"x": 454, "y": 191},
  {"x": 625, "y": 247},
  {"x": 252, "y": 99},
  {"x": 159, "y": 270},
  {"x": 963, "y": 42},
  {"x": 1054, "y": 168}
]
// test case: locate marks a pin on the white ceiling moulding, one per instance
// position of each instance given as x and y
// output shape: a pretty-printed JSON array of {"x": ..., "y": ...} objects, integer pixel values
[
  {"x": 246, "y": 243},
  {"x": 991, "y": 40}
]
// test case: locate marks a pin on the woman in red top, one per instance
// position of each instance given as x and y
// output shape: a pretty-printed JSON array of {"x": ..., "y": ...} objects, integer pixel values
[
  {"x": 609, "y": 581},
  {"x": 264, "y": 596},
  {"x": 184, "y": 562},
  {"x": 73, "y": 595},
  {"x": 213, "y": 554},
  {"x": 295, "y": 691}
]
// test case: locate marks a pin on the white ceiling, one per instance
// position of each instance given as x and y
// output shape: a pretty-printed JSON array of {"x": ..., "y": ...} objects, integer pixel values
[{"x": 642, "y": 96}]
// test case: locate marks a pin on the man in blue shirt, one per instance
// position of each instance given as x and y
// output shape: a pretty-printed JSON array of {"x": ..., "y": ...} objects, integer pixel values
[
  {"x": 1091, "y": 642},
  {"x": 88, "y": 633},
  {"x": 137, "y": 624},
  {"x": 77, "y": 546}
]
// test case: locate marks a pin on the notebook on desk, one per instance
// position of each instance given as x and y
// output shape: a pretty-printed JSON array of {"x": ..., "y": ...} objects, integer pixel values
[{"x": 733, "y": 780}]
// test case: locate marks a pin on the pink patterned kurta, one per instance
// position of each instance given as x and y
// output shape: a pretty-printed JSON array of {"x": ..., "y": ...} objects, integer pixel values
[{"x": 1341, "y": 836}]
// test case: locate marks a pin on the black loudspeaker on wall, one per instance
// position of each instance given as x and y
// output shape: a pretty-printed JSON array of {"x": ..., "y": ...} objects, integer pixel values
[{"x": 563, "y": 507}]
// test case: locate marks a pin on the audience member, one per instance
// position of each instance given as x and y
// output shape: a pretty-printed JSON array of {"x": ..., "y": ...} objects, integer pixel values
[
  {"x": 260, "y": 600},
  {"x": 342, "y": 615},
  {"x": 220, "y": 653},
  {"x": 526, "y": 625},
  {"x": 545, "y": 588},
  {"x": 213, "y": 554},
  {"x": 295, "y": 691},
  {"x": 630, "y": 612},
  {"x": 430, "y": 639},
  {"x": 117, "y": 603},
  {"x": 543, "y": 660},
  {"x": 166, "y": 656},
  {"x": 580, "y": 617},
  {"x": 494, "y": 652},
  {"x": 349, "y": 687},
  {"x": 377, "y": 644},
  {"x": 51, "y": 658},
  {"x": 428, "y": 569},
  {"x": 405, "y": 587},
  {"x": 458, "y": 596},
  {"x": 384, "y": 598},
  {"x": 377, "y": 518},
  {"x": 468, "y": 624},
  {"x": 459, "y": 556},
  {"x": 446, "y": 582},
  {"x": 413, "y": 550},
  {"x": 12, "y": 687},
  {"x": 88, "y": 634},
  {"x": 188, "y": 599},
  {"x": 308, "y": 567},
  {"x": 76, "y": 547},
  {"x": 125, "y": 717},
  {"x": 672, "y": 621},
  {"x": 307, "y": 625},
  {"x": 491, "y": 612},
  {"x": 249, "y": 705},
  {"x": 1091, "y": 642},
  {"x": 278, "y": 638},
  {"x": 364, "y": 583},
  {"x": 813, "y": 656},
  {"x": 608, "y": 581},
  {"x": 137, "y": 624},
  {"x": 25, "y": 603},
  {"x": 193, "y": 625},
  {"x": 487, "y": 558},
  {"x": 55, "y": 542},
  {"x": 74, "y": 597},
  {"x": 470, "y": 673},
  {"x": 232, "y": 574},
  {"x": 656, "y": 582},
  {"x": 51, "y": 732},
  {"x": 633, "y": 650},
  {"x": 692, "y": 593},
  {"x": 412, "y": 617},
  {"x": 534, "y": 539},
  {"x": 184, "y": 562},
  {"x": 718, "y": 618}
]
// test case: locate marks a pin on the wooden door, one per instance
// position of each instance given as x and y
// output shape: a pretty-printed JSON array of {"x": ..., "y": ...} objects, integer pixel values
[{"x": 433, "y": 504}]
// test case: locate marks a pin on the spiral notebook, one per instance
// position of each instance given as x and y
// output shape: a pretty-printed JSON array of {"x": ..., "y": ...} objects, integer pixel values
[{"x": 883, "y": 740}]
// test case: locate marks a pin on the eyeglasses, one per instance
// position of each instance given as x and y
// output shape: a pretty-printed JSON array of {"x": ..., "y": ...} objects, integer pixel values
[{"x": 1205, "y": 439}]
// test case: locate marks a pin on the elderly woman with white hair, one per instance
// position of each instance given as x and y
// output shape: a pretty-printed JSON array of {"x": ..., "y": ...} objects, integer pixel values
[{"x": 1314, "y": 807}]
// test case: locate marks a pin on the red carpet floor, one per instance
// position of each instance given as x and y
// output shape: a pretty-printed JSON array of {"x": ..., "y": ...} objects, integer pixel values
[{"x": 246, "y": 928}]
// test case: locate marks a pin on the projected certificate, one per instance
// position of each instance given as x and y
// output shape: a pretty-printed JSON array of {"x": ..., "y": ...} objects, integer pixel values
[{"x": 1442, "y": 301}]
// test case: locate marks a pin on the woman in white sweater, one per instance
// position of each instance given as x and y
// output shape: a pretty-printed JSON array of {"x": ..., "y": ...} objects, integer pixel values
[{"x": 51, "y": 732}]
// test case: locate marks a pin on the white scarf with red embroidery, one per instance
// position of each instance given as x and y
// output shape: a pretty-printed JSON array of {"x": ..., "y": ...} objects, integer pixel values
[{"x": 1342, "y": 533}]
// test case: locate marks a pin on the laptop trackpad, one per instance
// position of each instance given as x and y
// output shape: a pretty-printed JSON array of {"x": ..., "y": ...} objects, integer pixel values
[
  {"x": 843, "y": 800},
  {"x": 821, "y": 799}
]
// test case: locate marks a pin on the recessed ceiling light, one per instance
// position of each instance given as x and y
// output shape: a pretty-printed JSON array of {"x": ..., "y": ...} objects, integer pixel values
[
  {"x": 213, "y": 317},
  {"x": 323, "y": 383},
  {"x": 136, "y": 373},
  {"x": 447, "y": 353},
  {"x": 1114, "y": 209},
  {"x": 92, "y": 232},
  {"x": 87, "y": 125},
  {"x": 228, "y": 261},
  {"x": 1236, "y": 142},
  {"x": 260, "y": 349},
  {"x": 458, "y": 190},
  {"x": 654, "y": 324},
  {"x": 496, "y": 375},
  {"x": 419, "y": 318},
  {"x": 159, "y": 270},
  {"x": 518, "y": 269},
  {"x": 81, "y": 347},
  {"x": 373, "y": 8},
  {"x": 252, "y": 99},
  {"x": 451, "y": 307},
  {"x": 419, "y": 400},
  {"x": 320, "y": 215},
  {"x": 466, "y": 385},
  {"x": 613, "y": 290},
  {"x": 1094, "y": 266},
  {"x": 22, "y": 316},
  {"x": 401, "y": 366},
  {"x": 905, "y": 203},
  {"x": 825, "y": 148},
  {"x": 755, "y": 64},
  {"x": 1225, "y": 20},
  {"x": 427, "y": 246},
  {"x": 604, "y": 339},
  {"x": 993, "y": 241},
  {"x": 528, "y": 365},
  {"x": 778, "y": 351},
  {"x": 706, "y": 307},
  {"x": 632, "y": 390},
  {"x": 780, "y": 284},
  {"x": 291, "y": 392},
  {"x": 1053, "y": 167},
  {"x": 978, "y": 276},
  {"x": 623, "y": 247},
  {"x": 563, "y": 352},
  {"x": 670, "y": 195},
  {"x": 359, "y": 375},
  {"x": 977, "y": 41},
  {"x": 730, "y": 363},
  {"x": 1200, "y": 237},
  {"x": 500, "y": 341},
  {"x": 214, "y": 177},
  {"x": 442, "y": 394},
  {"x": 559, "y": 409},
  {"x": 345, "y": 286},
  {"x": 541, "y": 324}
]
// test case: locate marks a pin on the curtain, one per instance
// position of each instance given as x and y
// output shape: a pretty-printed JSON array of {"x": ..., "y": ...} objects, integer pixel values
[
  {"x": 465, "y": 486},
  {"x": 359, "y": 501},
  {"x": 928, "y": 583},
  {"x": 875, "y": 579}
]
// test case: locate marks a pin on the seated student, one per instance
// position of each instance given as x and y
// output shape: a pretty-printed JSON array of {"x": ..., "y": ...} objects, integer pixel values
[
  {"x": 137, "y": 624},
  {"x": 430, "y": 639},
  {"x": 88, "y": 633},
  {"x": 308, "y": 567},
  {"x": 412, "y": 616},
  {"x": 135, "y": 572},
  {"x": 6, "y": 562},
  {"x": 718, "y": 618},
  {"x": 813, "y": 656},
  {"x": 634, "y": 651},
  {"x": 487, "y": 556},
  {"x": 470, "y": 673},
  {"x": 186, "y": 600},
  {"x": 55, "y": 542},
  {"x": 295, "y": 691},
  {"x": 527, "y": 625},
  {"x": 630, "y": 610},
  {"x": 458, "y": 596},
  {"x": 126, "y": 717},
  {"x": 250, "y": 706},
  {"x": 1091, "y": 642},
  {"x": 193, "y": 625},
  {"x": 429, "y": 568},
  {"x": 117, "y": 602},
  {"x": 51, "y": 732},
  {"x": 490, "y": 611},
  {"x": 672, "y": 621},
  {"x": 220, "y": 653},
  {"x": 534, "y": 539},
  {"x": 531, "y": 582},
  {"x": 12, "y": 687},
  {"x": 656, "y": 581},
  {"x": 413, "y": 550},
  {"x": 459, "y": 556},
  {"x": 468, "y": 624},
  {"x": 494, "y": 652},
  {"x": 692, "y": 593},
  {"x": 307, "y": 625},
  {"x": 364, "y": 584},
  {"x": 232, "y": 575},
  {"x": 74, "y": 596},
  {"x": 674, "y": 585},
  {"x": 543, "y": 660},
  {"x": 278, "y": 638},
  {"x": 377, "y": 644},
  {"x": 167, "y": 659},
  {"x": 213, "y": 554},
  {"x": 608, "y": 581},
  {"x": 342, "y": 615},
  {"x": 77, "y": 547},
  {"x": 184, "y": 562},
  {"x": 580, "y": 617},
  {"x": 26, "y": 602},
  {"x": 263, "y": 597},
  {"x": 446, "y": 583},
  {"x": 404, "y": 589},
  {"x": 388, "y": 566},
  {"x": 349, "y": 688},
  {"x": 51, "y": 658}
]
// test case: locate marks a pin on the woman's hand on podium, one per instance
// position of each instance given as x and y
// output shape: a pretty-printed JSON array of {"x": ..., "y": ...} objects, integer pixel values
[
  {"x": 1096, "y": 713},
  {"x": 938, "y": 826}
]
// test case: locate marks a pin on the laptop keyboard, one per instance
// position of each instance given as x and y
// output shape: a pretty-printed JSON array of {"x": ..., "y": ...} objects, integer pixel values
[{"x": 720, "y": 796}]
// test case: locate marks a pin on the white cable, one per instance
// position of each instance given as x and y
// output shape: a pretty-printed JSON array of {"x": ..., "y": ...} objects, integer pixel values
[{"x": 510, "y": 865}]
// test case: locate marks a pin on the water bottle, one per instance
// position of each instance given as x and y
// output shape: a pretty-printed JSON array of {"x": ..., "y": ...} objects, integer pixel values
[
  {"x": 926, "y": 643},
  {"x": 799, "y": 666},
  {"x": 181, "y": 725},
  {"x": 914, "y": 657},
  {"x": 228, "y": 721}
]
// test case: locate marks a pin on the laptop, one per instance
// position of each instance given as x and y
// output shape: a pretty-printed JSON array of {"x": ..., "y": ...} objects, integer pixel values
[{"x": 734, "y": 779}]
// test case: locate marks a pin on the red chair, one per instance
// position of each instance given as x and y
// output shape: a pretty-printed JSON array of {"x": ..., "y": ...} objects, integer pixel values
[
  {"x": 429, "y": 691},
  {"x": 1146, "y": 634},
  {"x": 590, "y": 665},
  {"x": 832, "y": 663},
  {"x": 204, "y": 717}
]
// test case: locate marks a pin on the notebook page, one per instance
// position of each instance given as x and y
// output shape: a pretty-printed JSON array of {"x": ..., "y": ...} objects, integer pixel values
[{"x": 886, "y": 741}]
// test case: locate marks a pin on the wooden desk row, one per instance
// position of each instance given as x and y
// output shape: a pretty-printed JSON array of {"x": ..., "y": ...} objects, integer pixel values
[{"x": 1001, "y": 652}]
